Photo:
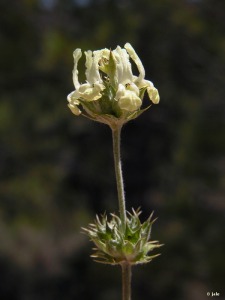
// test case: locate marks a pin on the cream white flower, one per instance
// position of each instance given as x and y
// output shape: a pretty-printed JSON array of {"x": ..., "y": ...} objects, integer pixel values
[
  {"x": 127, "y": 93},
  {"x": 111, "y": 90},
  {"x": 136, "y": 59},
  {"x": 91, "y": 90},
  {"x": 76, "y": 55},
  {"x": 123, "y": 66},
  {"x": 140, "y": 81},
  {"x": 73, "y": 104},
  {"x": 128, "y": 97}
]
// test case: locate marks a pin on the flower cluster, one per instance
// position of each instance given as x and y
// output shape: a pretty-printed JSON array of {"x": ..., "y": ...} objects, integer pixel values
[
  {"x": 111, "y": 92},
  {"x": 115, "y": 246}
]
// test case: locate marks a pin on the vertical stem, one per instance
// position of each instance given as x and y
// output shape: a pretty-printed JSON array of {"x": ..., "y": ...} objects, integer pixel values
[
  {"x": 116, "y": 132},
  {"x": 126, "y": 267},
  {"x": 126, "y": 281}
]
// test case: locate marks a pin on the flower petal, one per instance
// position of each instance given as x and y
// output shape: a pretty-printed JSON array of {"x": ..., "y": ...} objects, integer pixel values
[
  {"x": 91, "y": 92},
  {"x": 73, "y": 97},
  {"x": 137, "y": 61},
  {"x": 120, "y": 92},
  {"x": 129, "y": 101},
  {"x": 92, "y": 68},
  {"x": 123, "y": 66},
  {"x": 153, "y": 94},
  {"x": 75, "y": 110},
  {"x": 132, "y": 87},
  {"x": 77, "y": 55}
]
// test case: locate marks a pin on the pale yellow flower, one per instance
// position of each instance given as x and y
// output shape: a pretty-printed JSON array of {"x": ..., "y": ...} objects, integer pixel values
[{"x": 111, "y": 90}]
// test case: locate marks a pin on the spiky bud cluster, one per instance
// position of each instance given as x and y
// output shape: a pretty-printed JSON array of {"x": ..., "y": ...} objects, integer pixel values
[{"x": 116, "y": 245}]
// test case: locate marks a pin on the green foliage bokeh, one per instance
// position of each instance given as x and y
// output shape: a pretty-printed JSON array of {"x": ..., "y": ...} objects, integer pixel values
[{"x": 56, "y": 170}]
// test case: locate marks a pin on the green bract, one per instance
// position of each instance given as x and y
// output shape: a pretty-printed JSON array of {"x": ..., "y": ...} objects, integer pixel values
[
  {"x": 116, "y": 246},
  {"x": 111, "y": 93}
]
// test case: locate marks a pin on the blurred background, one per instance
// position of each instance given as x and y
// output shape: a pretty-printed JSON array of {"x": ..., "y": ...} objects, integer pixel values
[{"x": 56, "y": 170}]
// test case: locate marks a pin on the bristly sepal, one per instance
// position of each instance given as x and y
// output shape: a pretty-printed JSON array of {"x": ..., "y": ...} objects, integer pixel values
[{"x": 114, "y": 245}]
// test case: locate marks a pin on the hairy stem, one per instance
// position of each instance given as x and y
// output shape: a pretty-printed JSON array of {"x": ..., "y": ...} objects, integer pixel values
[
  {"x": 126, "y": 281},
  {"x": 126, "y": 267},
  {"x": 116, "y": 132}
]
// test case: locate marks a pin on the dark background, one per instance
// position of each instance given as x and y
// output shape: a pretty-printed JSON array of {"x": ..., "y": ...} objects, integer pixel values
[{"x": 56, "y": 170}]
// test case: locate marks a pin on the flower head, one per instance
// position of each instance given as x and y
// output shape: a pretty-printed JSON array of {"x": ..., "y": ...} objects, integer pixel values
[{"x": 111, "y": 93}]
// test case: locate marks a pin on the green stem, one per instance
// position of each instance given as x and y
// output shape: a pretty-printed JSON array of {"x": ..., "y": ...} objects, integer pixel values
[
  {"x": 126, "y": 267},
  {"x": 116, "y": 132},
  {"x": 126, "y": 281}
]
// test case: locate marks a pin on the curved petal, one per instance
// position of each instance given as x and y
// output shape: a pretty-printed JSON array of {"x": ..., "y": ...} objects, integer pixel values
[
  {"x": 137, "y": 61},
  {"x": 123, "y": 65},
  {"x": 132, "y": 87},
  {"x": 153, "y": 94},
  {"x": 77, "y": 55},
  {"x": 92, "y": 67},
  {"x": 102, "y": 57},
  {"x": 127, "y": 98},
  {"x": 74, "y": 102},
  {"x": 91, "y": 92},
  {"x": 74, "y": 108},
  {"x": 144, "y": 84},
  {"x": 129, "y": 101},
  {"x": 120, "y": 92},
  {"x": 73, "y": 97}
]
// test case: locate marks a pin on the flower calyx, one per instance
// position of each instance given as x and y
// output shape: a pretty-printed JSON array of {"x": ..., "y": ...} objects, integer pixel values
[{"x": 115, "y": 246}]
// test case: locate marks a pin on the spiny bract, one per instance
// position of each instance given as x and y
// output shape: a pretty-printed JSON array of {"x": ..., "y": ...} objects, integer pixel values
[{"x": 115, "y": 245}]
